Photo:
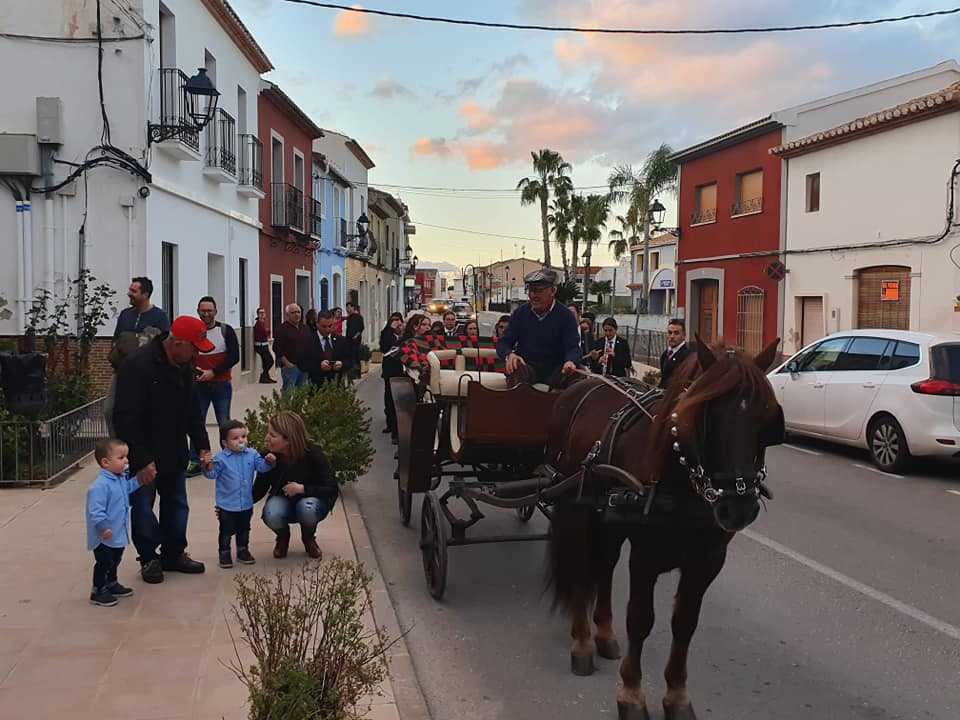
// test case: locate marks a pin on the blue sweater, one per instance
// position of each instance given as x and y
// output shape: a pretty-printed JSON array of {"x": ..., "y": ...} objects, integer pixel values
[
  {"x": 108, "y": 506},
  {"x": 234, "y": 473},
  {"x": 548, "y": 341}
]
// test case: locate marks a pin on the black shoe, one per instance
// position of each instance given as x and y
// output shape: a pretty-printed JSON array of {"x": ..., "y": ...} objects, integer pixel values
[
  {"x": 103, "y": 598},
  {"x": 193, "y": 469},
  {"x": 183, "y": 563},
  {"x": 152, "y": 571},
  {"x": 225, "y": 560},
  {"x": 395, "y": 440},
  {"x": 386, "y": 430},
  {"x": 267, "y": 381},
  {"x": 118, "y": 590},
  {"x": 244, "y": 556}
]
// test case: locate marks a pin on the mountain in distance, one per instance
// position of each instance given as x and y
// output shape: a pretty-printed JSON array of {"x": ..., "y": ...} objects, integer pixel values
[{"x": 441, "y": 266}]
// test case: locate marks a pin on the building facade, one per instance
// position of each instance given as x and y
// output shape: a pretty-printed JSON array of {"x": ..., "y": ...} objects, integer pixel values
[
  {"x": 662, "y": 275},
  {"x": 330, "y": 255}
]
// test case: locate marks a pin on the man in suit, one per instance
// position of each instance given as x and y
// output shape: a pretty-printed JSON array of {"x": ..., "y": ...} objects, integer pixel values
[
  {"x": 610, "y": 354},
  {"x": 451, "y": 331},
  {"x": 676, "y": 352},
  {"x": 330, "y": 355}
]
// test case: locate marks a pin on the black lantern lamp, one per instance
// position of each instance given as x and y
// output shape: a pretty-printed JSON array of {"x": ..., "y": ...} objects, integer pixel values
[
  {"x": 200, "y": 99},
  {"x": 363, "y": 225},
  {"x": 656, "y": 213}
]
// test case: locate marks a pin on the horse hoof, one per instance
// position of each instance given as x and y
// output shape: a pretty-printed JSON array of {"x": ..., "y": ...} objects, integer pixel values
[
  {"x": 581, "y": 665},
  {"x": 608, "y": 648},
  {"x": 678, "y": 712},
  {"x": 632, "y": 711}
]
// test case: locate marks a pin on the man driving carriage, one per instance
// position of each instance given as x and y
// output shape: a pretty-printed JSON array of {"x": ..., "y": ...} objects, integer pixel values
[{"x": 541, "y": 342}]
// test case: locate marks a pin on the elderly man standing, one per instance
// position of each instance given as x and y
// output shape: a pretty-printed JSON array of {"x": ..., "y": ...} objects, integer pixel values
[
  {"x": 154, "y": 414},
  {"x": 541, "y": 342},
  {"x": 290, "y": 342}
]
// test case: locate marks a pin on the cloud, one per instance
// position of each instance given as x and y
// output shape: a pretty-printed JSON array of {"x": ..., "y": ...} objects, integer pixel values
[
  {"x": 430, "y": 147},
  {"x": 478, "y": 119},
  {"x": 484, "y": 155},
  {"x": 351, "y": 24},
  {"x": 503, "y": 68},
  {"x": 511, "y": 63},
  {"x": 388, "y": 89}
]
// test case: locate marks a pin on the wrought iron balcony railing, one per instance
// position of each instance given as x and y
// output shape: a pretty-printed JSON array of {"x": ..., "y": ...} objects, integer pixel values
[
  {"x": 286, "y": 206},
  {"x": 251, "y": 161},
  {"x": 747, "y": 207},
  {"x": 175, "y": 121},
  {"x": 222, "y": 142},
  {"x": 706, "y": 215},
  {"x": 344, "y": 239},
  {"x": 316, "y": 217}
]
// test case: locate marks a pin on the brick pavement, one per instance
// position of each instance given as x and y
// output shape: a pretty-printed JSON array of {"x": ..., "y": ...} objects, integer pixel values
[{"x": 156, "y": 656}]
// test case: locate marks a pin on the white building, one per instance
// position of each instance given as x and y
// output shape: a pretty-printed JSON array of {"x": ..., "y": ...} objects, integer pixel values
[
  {"x": 662, "y": 276},
  {"x": 868, "y": 242},
  {"x": 193, "y": 228}
]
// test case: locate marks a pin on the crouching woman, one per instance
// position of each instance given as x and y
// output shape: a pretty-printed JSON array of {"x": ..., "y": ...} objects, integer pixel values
[{"x": 300, "y": 489}]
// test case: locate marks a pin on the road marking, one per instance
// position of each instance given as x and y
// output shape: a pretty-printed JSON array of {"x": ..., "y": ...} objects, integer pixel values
[
  {"x": 954, "y": 492},
  {"x": 879, "y": 471},
  {"x": 891, "y": 602},
  {"x": 800, "y": 449}
]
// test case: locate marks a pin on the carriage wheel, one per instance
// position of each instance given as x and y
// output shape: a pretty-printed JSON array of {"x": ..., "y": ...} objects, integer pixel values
[
  {"x": 405, "y": 501},
  {"x": 433, "y": 545},
  {"x": 525, "y": 512}
]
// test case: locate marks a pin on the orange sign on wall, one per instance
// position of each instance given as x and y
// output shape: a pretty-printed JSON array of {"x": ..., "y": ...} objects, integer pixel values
[{"x": 890, "y": 290}]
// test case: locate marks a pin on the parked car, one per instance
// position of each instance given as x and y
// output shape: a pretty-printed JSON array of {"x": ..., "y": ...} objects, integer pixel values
[
  {"x": 464, "y": 312},
  {"x": 894, "y": 392},
  {"x": 437, "y": 307}
]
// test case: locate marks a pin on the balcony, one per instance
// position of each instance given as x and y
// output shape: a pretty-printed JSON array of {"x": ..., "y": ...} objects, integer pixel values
[
  {"x": 704, "y": 216},
  {"x": 220, "y": 164},
  {"x": 751, "y": 206},
  {"x": 250, "y": 176},
  {"x": 286, "y": 207},
  {"x": 344, "y": 240},
  {"x": 316, "y": 217},
  {"x": 174, "y": 119}
]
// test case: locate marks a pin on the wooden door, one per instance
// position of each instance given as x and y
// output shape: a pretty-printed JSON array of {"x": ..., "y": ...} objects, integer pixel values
[
  {"x": 811, "y": 320},
  {"x": 707, "y": 313},
  {"x": 883, "y": 297}
]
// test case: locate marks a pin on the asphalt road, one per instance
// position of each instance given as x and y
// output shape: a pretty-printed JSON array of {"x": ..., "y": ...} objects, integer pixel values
[{"x": 841, "y": 601}]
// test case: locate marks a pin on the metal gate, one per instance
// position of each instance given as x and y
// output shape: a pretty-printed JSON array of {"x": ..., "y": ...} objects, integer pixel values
[
  {"x": 883, "y": 297},
  {"x": 750, "y": 319}
]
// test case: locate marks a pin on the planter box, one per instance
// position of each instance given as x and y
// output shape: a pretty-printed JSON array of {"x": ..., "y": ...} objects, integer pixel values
[{"x": 376, "y": 357}]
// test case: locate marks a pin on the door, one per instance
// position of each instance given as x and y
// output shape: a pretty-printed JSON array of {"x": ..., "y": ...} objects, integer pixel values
[
  {"x": 804, "y": 396},
  {"x": 707, "y": 312},
  {"x": 244, "y": 321},
  {"x": 853, "y": 385},
  {"x": 276, "y": 305},
  {"x": 811, "y": 320},
  {"x": 303, "y": 292},
  {"x": 324, "y": 294}
]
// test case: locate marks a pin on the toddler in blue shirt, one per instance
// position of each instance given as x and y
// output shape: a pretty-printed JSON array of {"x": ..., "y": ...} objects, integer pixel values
[
  {"x": 108, "y": 520},
  {"x": 234, "y": 469}
]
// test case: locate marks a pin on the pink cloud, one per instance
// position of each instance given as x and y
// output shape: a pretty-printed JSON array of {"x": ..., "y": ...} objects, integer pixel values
[
  {"x": 477, "y": 118},
  {"x": 484, "y": 155},
  {"x": 430, "y": 147},
  {"x": 351, "y": 24}
]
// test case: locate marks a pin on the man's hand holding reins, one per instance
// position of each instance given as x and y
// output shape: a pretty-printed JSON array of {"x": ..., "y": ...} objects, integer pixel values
[{"x": 514, "y": 362}]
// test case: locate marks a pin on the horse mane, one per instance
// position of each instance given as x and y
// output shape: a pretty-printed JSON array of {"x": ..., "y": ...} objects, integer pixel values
[{"x": 691, "y": 388}]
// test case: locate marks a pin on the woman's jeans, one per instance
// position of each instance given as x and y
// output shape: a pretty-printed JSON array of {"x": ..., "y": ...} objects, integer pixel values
[{"x": 280, "y": 512}]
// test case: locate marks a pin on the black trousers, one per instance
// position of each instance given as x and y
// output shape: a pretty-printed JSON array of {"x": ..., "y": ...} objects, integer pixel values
[
  {"x": 105, "y": 568},
  {"x": 234, "y": 522},
  {"x": 266, "y": 358},
  {"x": 389, "y": 410}
]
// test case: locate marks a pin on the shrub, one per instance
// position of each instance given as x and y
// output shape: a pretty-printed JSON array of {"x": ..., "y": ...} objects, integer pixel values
[
  {"x": 335, "y": 419},
  {"x": 314, "y": 660},
  {"x": 652, "y": 377}
]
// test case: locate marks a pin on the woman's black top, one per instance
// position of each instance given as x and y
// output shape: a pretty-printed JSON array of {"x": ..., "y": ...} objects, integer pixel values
[
  {"x": 312, "y": 471},
  {"x": 392, "y": 366}
]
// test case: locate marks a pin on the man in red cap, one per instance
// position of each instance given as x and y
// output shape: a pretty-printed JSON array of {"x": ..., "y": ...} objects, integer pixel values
[{"x": 153, "y": 414}]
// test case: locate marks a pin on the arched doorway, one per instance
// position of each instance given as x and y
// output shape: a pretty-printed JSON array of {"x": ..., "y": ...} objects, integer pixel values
[
  {"x": 324, "y": 294},
  {"x": 883, "y": 297},
  {"x": 337, "y": 290}
]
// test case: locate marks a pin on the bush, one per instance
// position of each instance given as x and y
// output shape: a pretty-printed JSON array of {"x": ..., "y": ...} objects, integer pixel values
[
  {"x": 314, "y": 660},
  {"x": 336, "y": 420},
  {"x": 652, "y": 377}
]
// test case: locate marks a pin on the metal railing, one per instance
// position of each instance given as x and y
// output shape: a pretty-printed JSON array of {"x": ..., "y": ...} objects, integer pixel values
[
  {"x": 251, "y": 161},
  {"x": 646, "y": 346},
  {"x": 222, "y": 142},
  {"x": 173, "y": 107},
  {"x": 316, "y": 217},
  {"x": 286, "y": 206},
  {"x": 343, "y": 232},
  {"x": 747, "y": 207},
  {"x": 706, "y": 215},
  {"x": 41, "y": 452}
]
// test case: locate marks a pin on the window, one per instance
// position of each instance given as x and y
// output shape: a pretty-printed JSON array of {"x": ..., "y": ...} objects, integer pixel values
[
  {"x": 654, "y": 261},
  {"x": 168, "y": 38},
  {"x": 298, "y": 171},
  {"x": 168, "y": 279},
  {"x": 750, "y": 320},
  {"x": 904, "y": 355},
  {"x": 823, "y": 356},
  {"x": 276, "y": 156},
  {"x": 210, "y": 63},
  {"x": 813, "y": 192},
  {"x": 241, "y": 111},
  {"x": 749, "y": 193},
  {"x": 705, "y": 205},
  {"x": 639, "y": 263},
  {"x": 944, "y": 361},
  {"x": 864, "y": 353}
]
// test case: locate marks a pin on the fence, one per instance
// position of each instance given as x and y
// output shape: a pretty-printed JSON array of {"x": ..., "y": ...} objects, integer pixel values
[
  {"x": 41, "y": 452},
  {"x": 646, "y": 346}
]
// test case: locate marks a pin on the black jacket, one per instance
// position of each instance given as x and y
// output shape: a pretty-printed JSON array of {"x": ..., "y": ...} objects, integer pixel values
[
  {"x": 669, "y": 364},
  {"x": 353, "y": 327},
  {"x": 392, "y": 366},
  {"x": 312, "y": 471},
  {"x": 620, "y": 364},
  {"x": 153, "y": 410},
  {"x": 315, "y": 355}
]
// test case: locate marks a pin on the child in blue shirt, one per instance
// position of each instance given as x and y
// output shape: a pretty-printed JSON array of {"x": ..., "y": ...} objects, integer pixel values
[
  {"x": 234, "y": 469},
  {"x": 108, "y": 520}
]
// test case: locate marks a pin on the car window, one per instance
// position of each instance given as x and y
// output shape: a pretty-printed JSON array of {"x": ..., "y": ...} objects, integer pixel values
[
  {"x": 863, "y": 353},
  {"x": 823, "y": 356},
  {"x": 945, "y": 362},
  {"x": 904, "y": 355}
]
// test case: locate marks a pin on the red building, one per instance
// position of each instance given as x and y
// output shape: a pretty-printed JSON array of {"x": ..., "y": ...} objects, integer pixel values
[
  {"x": 729, "y": 218},
  {"x": 426, "y": 279},
  {"x": 290, "y": 217}
]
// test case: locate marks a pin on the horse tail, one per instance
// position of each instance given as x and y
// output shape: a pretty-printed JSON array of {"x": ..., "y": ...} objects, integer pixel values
[{"x": 570, "y": 556}]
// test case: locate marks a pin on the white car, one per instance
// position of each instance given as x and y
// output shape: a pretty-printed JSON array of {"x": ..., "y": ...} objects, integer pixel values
[{"x": 894, "y": 392}]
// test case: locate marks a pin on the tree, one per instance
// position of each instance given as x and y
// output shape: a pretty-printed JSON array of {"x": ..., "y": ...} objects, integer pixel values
[
  {"x": 561, "y": 217},
  {"x": 600, "y": 288},
  {"x": 548, "y": 165},
  {"x": 621, "y": 240},
  {"x": 596, "y": 209},
  {"x": 577, "y": 208}
]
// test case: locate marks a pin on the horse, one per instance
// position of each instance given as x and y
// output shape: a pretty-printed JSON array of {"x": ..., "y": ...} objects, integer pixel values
[{"x": 682, "y": 473}]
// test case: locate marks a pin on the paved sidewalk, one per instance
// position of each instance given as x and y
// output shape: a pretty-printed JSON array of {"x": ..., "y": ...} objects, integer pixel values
[{"x": 156, "y": 656}]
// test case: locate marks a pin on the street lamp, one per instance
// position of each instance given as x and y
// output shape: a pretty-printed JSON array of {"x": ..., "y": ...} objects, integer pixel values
[
  {"x": 654, "y": 218},
  {"x": 363, "y": 227},
  {"x": 506, "y": 270},
  {"x": 656, "y": 212},
  {"x": 200, "y": 99}
]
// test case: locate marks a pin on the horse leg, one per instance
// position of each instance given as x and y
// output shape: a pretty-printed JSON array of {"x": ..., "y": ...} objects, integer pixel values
[
  {"x": 694, "y": 581},
  {"x": 581, "y": 652},
  {"x": 606, "y": 639},
  {"x": 631, "y": 702}
]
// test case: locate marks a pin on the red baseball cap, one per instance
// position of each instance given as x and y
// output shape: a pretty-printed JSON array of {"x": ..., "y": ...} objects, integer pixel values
[{"x": 192, "y": 330}]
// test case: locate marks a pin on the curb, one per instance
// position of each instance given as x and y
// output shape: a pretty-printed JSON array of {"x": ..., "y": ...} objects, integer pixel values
[{"x": 407, "y": 693}]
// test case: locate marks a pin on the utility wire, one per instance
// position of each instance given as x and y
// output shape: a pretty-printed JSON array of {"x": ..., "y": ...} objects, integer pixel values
[
  {"x": 625, "y": 31},
  {"x": 398, "y": 186}
]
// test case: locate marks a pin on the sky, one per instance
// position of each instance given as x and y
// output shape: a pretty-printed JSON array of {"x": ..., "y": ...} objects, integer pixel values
[{"x": 458, "y": 107}]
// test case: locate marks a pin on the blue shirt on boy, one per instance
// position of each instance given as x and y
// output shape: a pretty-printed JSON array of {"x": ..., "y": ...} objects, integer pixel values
[
  {"x": 234, "y": 473},
  {"x": 108, "y": 506}
]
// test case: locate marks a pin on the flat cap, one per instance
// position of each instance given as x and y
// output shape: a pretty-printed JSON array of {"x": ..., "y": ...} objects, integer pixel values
[{"x": 543, "y": 276}]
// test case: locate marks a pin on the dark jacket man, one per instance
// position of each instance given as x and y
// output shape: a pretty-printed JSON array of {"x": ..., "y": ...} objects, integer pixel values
[
  {"x": 325, "y": 350},
  {"x": 670, "y": 360},
  {"x": 619, "y": 364},
  {"x": 289, "y": 341}
]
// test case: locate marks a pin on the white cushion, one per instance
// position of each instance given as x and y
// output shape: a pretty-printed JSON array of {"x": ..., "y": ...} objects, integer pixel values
[
  {"x": 449, "y": 382},
  {"x": 455, "y": 442}
]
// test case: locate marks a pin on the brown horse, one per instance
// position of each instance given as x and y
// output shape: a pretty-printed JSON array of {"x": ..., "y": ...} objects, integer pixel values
[{"x": 699, "y": 448}]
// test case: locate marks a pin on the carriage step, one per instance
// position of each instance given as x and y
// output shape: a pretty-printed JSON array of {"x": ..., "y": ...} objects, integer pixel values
[{"x": 519, "y": 488}]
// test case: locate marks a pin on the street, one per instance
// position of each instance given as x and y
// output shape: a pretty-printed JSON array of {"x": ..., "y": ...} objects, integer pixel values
[{"x": 839, "y": 602}]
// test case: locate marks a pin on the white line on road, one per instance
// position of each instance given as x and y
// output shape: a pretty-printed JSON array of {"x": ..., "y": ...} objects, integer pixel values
[
  {"x": 879, "y": 471},
  {"x": 800, "y": 449},
  {"x": 954, "y": 492},
  {"x": 891, "y": 602}
]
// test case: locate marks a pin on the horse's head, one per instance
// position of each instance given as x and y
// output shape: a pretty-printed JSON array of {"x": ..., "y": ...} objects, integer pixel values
[{"x": 722, "y": 415}]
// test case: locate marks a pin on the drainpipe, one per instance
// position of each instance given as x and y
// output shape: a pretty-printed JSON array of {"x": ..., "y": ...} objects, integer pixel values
[
  {"x": 21, "y": 278},
  {"x": 27, "y": 209},
  {"x": 48, "y": 234}
]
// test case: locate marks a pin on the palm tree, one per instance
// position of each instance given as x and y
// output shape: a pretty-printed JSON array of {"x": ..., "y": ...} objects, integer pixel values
[
  {"x": 548, "y": 165},
  {"x": 561, "y": 217},
  {"x": 621, "y": 240},
  {"x": 577, "y": 211},
  {"x": 596, "y": 210}
]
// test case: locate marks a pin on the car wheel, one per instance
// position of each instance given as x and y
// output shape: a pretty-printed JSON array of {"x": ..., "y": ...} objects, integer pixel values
[{"x": 888, "y": 445}]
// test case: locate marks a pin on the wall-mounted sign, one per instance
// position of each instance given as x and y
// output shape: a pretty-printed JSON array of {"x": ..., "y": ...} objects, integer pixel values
[
  {"x": 776, "y": 270},
  {"x": 666, "y": 283},
  {"x": 409, "y": 282},
  {"x": 889, "y": 290}
]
